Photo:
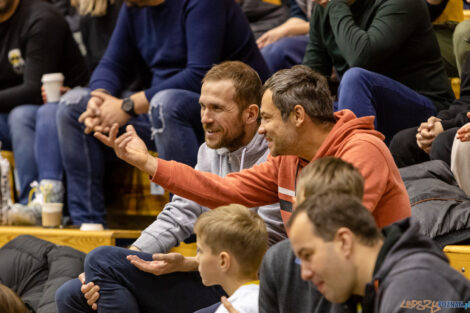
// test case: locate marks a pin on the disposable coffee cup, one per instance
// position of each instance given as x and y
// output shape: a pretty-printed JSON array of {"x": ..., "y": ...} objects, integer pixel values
[
  {"x": 52, "y": 214},
  {"x": 52, "y": 83}
]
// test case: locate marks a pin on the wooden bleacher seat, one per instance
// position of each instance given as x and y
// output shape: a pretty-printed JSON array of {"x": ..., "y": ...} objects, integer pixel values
[
  {"x": 459, "y": 258},
  {"x": 81, "y": 240}
]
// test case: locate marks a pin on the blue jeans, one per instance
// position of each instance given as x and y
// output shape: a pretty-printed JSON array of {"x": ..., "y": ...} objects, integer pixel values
[
  {"x": 84, "y": 158},
  {"x": 285, "y": 53},
  {"x": 176, "y": 125},
  {"x": 35, "y": 144},
  {"x": 394, "y": 105},
  {"x": 124, "y": 288}
]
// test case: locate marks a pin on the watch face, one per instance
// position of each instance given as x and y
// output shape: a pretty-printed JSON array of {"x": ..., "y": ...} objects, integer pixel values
[{"x": 128, "y": 106}]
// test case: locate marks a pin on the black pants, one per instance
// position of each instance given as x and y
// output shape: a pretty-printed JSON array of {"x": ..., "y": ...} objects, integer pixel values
[{"x": 405, "y": 150}]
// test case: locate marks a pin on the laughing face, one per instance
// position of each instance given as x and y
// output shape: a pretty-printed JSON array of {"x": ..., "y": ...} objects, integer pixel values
[
  {"x": 322, "y": 262},
  {"x": 220, "y": 116},
  {"x": 280, "y": 134}
]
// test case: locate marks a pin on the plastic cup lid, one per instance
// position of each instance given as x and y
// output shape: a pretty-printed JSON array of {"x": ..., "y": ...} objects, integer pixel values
[{"x": 52, "y": 77}]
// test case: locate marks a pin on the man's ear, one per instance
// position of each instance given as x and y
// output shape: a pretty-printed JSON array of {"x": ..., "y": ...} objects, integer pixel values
[
  {"x": 298, "y": 114},
  {"x": 344, "y": 241},
  {"x": 224, "y": 261},
  {"x": 251, "y": 114}
]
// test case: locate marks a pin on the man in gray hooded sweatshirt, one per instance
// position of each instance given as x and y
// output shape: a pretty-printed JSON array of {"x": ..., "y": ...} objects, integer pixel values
[{"x": 230, "y": 100}]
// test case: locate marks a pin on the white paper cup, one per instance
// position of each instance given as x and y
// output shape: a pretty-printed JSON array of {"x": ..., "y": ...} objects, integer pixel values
[
  {"x": 52, "y": 214},
  {"x": 52, "y": 83},
  {"x": 91, "y": 227}
]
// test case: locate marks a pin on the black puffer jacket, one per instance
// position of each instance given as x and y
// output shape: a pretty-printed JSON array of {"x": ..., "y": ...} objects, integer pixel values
[
  {"x": 437, "y": 202},
  {"x": 35, "y": 268}
]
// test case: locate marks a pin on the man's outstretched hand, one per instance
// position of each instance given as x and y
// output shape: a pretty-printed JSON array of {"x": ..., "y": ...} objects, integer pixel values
[
  {"x": 130, "y": 148},
  {"x": 164, "y": 263}
]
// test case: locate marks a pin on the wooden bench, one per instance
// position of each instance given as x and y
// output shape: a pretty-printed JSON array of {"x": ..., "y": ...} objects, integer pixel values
[
  {"x": 459, "y": 258},
  {"x": 81, "y": 240}
]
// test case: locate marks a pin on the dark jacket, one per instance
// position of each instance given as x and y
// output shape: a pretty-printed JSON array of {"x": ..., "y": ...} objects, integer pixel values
[
  {"x": 390, "y": 37},
  {"x": 410, "y": 267},
  {"x": 437, "y": 202},
  {"x": 35, "y": 269}
]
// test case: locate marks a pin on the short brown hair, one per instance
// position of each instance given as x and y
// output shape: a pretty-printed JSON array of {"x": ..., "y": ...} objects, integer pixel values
[
  {"x": 245, "y": 80},
  {"x": 236, "y": 229},
  {"x": 332, "y": 210},
  {"x": 10, "y": 302},
  {"x": 330, "y": 174},
  {"x": 301, "y": 85}
]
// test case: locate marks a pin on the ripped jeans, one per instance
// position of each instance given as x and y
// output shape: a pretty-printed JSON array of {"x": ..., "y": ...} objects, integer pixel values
[
  {"x": 84, "y": 157},
  {"x": 176, "y": 125}
]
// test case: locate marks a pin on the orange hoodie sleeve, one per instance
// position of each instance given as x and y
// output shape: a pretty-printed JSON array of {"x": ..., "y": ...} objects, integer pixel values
[{"x": 251, "y": 187}]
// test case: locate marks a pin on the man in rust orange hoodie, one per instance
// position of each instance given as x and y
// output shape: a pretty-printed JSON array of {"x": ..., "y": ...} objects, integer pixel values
[{"x": 299, "y": 124}]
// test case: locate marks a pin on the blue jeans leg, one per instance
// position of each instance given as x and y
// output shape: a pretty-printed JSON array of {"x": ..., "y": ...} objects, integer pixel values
[
  {"x": 22, "y": 125},
  {"x": 285, "y": 53},
  {"x": 176, "y": 125},
  {"x": 84, "y": 158},
  {"x": 46, "y": 144},
  {"x": 394, "y": 105},
  {"x": 124, "y": 288}
]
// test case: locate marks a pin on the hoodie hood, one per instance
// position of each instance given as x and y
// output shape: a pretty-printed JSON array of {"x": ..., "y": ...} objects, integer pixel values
[
  {"x": 401, "y": 240},
  {"x": 347, "y": 125},
  {"x": 222, "y": 162},
  {"x": 404, "y": 249}
]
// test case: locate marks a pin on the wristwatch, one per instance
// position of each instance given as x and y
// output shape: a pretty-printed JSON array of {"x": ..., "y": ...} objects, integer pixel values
[{"x": 128, "y": 106}]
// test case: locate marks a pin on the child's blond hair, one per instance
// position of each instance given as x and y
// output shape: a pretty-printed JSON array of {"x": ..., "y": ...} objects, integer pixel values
[
  {"x": 330, "y": 174},
  {"x": 235, "y": 229}
]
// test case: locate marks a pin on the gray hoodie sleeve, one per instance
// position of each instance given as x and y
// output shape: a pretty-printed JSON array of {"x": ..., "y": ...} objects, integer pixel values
[
  {"x": 176, "y": 221},
  {"x": 174, "y": 224}
]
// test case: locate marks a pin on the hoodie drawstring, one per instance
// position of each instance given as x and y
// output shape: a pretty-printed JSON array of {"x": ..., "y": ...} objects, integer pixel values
[{"x": 243, "y": 158}]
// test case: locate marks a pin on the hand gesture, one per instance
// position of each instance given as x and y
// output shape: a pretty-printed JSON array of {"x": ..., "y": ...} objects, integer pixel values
[
  {"x": 110, "y": 112},
  {"x": 463, "y": 134},
  {"x": 228, "y": 306},
  {"x": 163, "y": 263},
  {"x": 427, "y": 132},
  {"x": 91, "y": 116},
  {"x": 130, "y": 148},
  {"x": 90, "y": 292}
]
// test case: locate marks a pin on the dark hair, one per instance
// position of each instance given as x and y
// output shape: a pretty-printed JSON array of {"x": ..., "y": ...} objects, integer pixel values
[
  {"x": 301, "y": 85},
  {"x": 330, "y": 174},
  {"x": 236, "y": 229},
  {"x": 330, "y": 211},
  {"x": 245, "y": 80}
]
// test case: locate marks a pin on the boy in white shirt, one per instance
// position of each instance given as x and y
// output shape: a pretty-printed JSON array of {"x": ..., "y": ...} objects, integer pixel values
[{"x": 231, "y": 242}]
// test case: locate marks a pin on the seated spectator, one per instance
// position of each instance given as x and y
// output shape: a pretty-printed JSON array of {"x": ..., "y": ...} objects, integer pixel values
[
  {"x": 34, "y": 268},
  {"x": 264, "y": 15},
  {"x": 281, "y": 288},
  {"x": 299, "y": 124},
  {"x": 433, "y": 139},
  {"x": 351, "y": 262},
  {"x": 460, "y": 157},
  {"x": 230, "y": 99},
  {"x": 284, "y": 46},
  {"x": 231, "y": 242},
  {"x": 177, "y": 55},
  {"x": 446, "y": 15},
  {"x": 10, "y": 302},
  {"x": 386, "y": 56},
  {"x": 35, "y": 40}
]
